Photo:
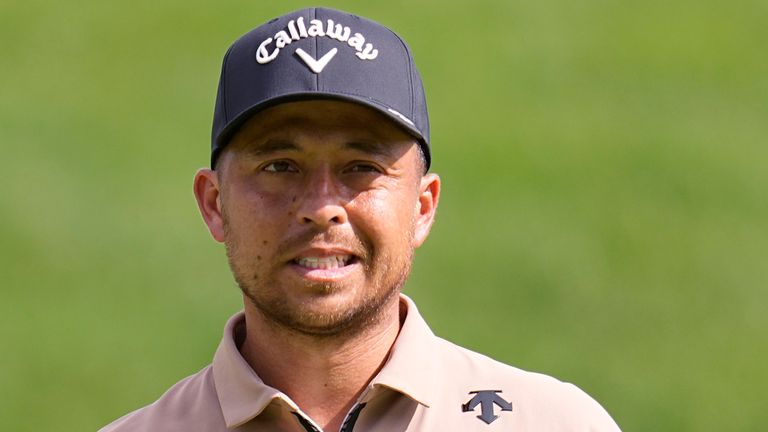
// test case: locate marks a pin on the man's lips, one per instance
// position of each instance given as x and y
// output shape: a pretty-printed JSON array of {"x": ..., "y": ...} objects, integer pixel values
[
  {"x": 324, "y": 262},
  {"x": 332, "y": 268}
]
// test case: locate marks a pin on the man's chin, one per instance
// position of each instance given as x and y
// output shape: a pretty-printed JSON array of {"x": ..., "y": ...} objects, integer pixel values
[{"x": 328, "y": 315}]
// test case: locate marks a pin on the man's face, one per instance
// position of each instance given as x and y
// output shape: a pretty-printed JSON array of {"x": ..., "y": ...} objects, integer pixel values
[{"x": 320, "y": 205}]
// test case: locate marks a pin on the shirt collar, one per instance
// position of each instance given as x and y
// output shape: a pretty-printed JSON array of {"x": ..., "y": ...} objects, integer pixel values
[
  {"x": 411, "y": 369},
  {"x": 413, "y": 366},
  {"x": 242, "y": 394}
]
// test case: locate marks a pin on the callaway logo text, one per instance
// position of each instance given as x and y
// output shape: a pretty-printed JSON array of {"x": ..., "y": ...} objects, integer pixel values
[{"x": 297, "y": 30}]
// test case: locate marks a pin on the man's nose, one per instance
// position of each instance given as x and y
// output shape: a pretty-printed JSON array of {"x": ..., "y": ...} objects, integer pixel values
[{"x": 321, "y": 203}]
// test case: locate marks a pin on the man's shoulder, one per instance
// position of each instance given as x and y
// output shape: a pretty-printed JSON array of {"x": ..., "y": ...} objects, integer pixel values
[
  {"x": 484, "y": 369},
  {"x": 540, "y": 397},
  {"x": 191, "y": 401}
]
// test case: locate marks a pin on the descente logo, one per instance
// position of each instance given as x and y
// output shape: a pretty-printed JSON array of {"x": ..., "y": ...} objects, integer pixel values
[{"x": 297, "y": 30}]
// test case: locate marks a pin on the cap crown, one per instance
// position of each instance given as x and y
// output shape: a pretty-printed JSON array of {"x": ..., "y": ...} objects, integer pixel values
[{"x": 319, "y": 53}]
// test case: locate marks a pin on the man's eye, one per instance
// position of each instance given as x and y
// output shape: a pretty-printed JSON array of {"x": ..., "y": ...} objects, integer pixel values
[
  {"x": 363, "y": 167},
  {"x": 280, "y": 166}
]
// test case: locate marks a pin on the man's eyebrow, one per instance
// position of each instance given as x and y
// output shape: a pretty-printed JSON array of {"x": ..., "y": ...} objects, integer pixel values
[{"x": 271, "y": 146}]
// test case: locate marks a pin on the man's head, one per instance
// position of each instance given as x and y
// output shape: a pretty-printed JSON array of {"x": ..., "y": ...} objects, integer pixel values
[{"x": 319, "y": 199}]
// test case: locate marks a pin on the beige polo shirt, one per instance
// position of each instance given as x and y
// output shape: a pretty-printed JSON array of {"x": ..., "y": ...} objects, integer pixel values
[{"x": 427, "y": 384}]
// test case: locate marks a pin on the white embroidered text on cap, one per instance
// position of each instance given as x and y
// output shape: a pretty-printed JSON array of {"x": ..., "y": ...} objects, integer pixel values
[{"x": 297, "y": 30}]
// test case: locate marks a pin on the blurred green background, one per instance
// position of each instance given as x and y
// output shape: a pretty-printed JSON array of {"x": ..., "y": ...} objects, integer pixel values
[{"x": 604, "y": 217}]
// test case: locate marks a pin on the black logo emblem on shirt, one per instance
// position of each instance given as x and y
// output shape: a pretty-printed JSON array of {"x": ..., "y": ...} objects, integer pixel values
[{"x": 486, "y": 399}]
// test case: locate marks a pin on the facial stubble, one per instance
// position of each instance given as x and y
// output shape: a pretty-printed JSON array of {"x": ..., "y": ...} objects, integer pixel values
[{"x": 389, "y": 276}]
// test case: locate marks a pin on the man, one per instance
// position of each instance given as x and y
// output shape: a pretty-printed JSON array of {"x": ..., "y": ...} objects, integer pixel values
[{"x": 320, "y": 190}]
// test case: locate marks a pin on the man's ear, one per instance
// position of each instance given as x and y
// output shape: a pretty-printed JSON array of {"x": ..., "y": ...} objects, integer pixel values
[
  {"x": 208, "y": 196},
  {"x": 429, "y": 194}
]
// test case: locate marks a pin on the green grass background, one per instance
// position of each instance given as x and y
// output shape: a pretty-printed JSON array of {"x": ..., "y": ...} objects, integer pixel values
[{"x": 604, "y": 216}]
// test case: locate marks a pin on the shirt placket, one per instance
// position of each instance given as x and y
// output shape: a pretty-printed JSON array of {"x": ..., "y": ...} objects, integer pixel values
[{"x": 346, "y": 426}]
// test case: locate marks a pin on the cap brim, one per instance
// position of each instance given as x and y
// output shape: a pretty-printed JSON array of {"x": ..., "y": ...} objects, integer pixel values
[{"x": 234, "y": 125}]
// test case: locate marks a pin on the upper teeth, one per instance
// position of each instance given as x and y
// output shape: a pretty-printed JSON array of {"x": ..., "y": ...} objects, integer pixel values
[{"x": 330, "y": 262}]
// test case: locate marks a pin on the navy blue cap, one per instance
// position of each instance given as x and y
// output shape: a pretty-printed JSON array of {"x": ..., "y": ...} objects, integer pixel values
[{"x": 319, "y": 53}]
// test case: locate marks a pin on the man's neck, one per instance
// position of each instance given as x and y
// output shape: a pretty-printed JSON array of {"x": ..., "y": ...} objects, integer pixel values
[{"x": 323, "y": 375}]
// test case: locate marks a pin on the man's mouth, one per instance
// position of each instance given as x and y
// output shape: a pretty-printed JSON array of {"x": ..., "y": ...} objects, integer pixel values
[{"x": 324, "y": 263}]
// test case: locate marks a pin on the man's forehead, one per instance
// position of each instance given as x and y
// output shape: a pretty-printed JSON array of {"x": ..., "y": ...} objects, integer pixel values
[{"x": 298, "y": 144}]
